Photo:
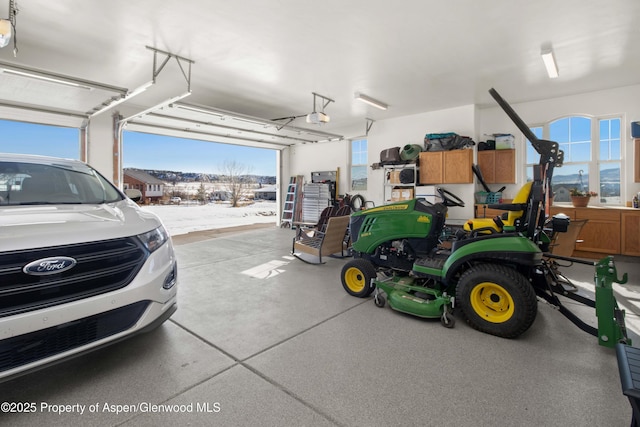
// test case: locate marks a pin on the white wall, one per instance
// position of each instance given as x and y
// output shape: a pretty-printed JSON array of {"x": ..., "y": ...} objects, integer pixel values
[
  {"x": 412, "y": 130},
  {"x": 330, "y": 156},
  {"x": 384, "y": 134},
  {"x": 100, "y": 144}
]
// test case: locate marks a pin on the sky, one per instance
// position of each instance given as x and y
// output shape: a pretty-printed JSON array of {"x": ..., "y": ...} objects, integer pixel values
[
  {"x": 147, "y": 151},
  {"x": 141, "y": 150}
]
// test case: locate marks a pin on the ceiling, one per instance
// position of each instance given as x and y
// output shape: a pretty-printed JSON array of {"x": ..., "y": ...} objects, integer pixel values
[{"x": 262, "y": 60}]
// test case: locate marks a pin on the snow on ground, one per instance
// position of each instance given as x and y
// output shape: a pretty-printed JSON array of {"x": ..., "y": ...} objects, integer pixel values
[{"x": 185, "y": 218}]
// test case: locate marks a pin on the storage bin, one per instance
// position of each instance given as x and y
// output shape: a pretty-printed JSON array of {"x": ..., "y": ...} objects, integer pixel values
[
  {"x": 488, "y": 197},
  {"x": 481, "y": 197},
  {"x": 494, "y": 197},
  {"x": 505, "y": 142}
]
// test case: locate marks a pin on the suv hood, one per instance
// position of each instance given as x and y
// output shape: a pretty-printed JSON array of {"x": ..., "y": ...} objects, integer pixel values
[{"x": 28, "y": 226}]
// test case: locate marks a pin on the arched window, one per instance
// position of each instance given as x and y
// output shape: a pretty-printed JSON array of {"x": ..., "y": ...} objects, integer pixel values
[{"x": 592, "y": 157}]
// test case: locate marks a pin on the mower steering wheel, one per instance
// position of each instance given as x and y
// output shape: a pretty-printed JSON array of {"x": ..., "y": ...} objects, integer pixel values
[{"x": 450, "y": 199}]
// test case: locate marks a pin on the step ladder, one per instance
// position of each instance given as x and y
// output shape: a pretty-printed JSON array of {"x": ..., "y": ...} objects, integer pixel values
[{"x": 289, "y": 213}]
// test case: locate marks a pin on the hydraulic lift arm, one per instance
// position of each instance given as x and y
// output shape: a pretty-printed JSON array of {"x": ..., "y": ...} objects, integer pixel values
[
  {"x": 611, "y": 324},
  {"x": 550, "y": 157},
  {"x": 549, "y": 151}
]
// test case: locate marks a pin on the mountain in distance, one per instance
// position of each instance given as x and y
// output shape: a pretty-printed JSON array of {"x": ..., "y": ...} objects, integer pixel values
[
  {"x": 175, "y": 176},
  {"x": 606, "y": 176}
]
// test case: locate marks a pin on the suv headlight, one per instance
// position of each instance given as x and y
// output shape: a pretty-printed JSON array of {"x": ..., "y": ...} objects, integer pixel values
[{"x": 153, "y": 239}]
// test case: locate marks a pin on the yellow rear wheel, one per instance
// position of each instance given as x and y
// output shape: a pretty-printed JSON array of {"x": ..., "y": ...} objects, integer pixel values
[
  {"x": 497, "y": 299},
  {"x": 492, "y": 302}
]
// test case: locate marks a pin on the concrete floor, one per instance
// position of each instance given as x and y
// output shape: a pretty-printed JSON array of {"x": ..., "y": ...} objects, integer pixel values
[{"x": 263, "y": 339}]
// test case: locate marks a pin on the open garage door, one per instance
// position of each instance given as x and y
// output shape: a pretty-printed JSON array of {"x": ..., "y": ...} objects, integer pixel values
[
  {"x": 38, "y": 96},
  {"x": 216, "y": 125}
]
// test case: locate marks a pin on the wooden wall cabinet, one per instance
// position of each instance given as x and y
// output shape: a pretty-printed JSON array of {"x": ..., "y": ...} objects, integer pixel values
[
  {"x": 432, "y": 167},
  {"x": 630, "y": 244},
  {"x": 498, "y": 166},
  {"x": 446, "y": 167},
  {"x": 636, "y": 160},
  {"x": 600, "y": 235}
]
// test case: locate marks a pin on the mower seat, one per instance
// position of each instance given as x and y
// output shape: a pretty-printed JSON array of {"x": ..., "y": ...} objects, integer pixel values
[{"x": 498, "y": 224}]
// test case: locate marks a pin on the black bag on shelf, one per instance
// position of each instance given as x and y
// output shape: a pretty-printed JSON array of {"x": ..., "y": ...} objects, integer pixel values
[
  {"x": 390, "y": 156},
  {"x": 407, "y": 176},
  {"x": 446, "y": 141},
  {"x": 486, "y": 145}
]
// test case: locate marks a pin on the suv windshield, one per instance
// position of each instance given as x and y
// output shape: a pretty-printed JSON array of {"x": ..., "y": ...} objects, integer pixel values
[{"x": 23, "y": 183}]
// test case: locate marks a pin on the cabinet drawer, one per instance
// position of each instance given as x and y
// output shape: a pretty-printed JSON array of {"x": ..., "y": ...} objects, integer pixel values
[{"x": 597, "y": 214}]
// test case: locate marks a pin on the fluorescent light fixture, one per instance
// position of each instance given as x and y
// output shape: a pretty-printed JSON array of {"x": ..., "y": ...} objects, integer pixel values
[
  {"x": 550, "y": 62},
  {"x": 44, "y": 78},
  {"x": 198, "y": 110},
  {"x": 5, "y": 32},
  {"x": 368, "y": 100}
]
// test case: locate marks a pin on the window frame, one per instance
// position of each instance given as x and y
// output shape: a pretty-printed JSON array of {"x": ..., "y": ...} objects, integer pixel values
[
  {"x": 595, "y": 162},
  {"x": 353, "y": 165}
]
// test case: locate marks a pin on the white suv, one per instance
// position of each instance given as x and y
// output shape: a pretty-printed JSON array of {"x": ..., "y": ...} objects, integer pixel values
[{"x": 81, "y": 265}]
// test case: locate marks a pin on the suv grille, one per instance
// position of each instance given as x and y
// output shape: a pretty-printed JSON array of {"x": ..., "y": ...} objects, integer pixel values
[
  {"x": 18, "y": 351},
  {"x": 101, "y": 267}
]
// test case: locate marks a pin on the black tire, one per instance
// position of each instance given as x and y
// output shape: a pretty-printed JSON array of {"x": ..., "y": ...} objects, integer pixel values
[
  {"x": 356, "y": 203},
  {"x": 447, "y": 320},
  {"x": 357, "y": 276},
  {"x": 379, "y": 301},
  {"x": 497, "y": 300}
]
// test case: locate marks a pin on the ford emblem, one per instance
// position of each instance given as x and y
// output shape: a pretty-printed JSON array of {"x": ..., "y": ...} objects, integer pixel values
[{"x": 46, "y": 266}]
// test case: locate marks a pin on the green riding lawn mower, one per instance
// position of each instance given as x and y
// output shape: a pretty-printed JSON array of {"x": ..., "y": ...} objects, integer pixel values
[{"x": 407, "y": 256}]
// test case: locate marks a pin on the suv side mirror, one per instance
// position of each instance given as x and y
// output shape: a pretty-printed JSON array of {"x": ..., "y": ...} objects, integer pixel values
[{"x": 133, "y": 194}]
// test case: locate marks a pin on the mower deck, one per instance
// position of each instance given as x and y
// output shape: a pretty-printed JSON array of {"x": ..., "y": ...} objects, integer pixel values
[{"x": 407, "y": 297}]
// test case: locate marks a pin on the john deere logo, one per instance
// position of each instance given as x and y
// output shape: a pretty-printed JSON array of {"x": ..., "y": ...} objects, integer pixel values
[
  {"x": 424, "y": 218},
  {"x": 46, "y": 266},
  {"x": 389, "y": 208}
]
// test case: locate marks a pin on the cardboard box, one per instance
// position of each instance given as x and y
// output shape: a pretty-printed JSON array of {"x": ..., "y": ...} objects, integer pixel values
[
  {"x": 394, "y": 177},
  {"x": 400, "y": 194},
  {"x": 427, "y": 192}
]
